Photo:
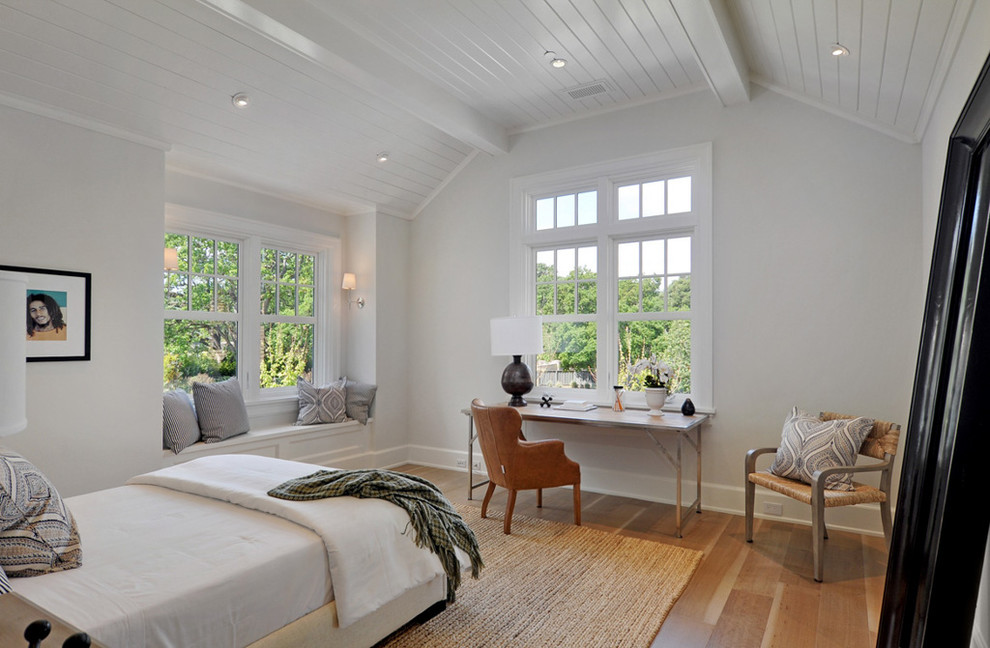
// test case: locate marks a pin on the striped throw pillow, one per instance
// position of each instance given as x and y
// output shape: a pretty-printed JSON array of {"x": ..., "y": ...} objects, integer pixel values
[
  {"x": 180, "y": 428},
  {"x": 808, "y": 444},
  {"x": 221, "y": 411},
  {"x": 321, "y": 404},
  {"x": 4, "y": 583},
  {"x": 38, "y": 534}
]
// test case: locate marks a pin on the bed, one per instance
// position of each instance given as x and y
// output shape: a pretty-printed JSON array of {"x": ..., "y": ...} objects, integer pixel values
[{"x": 197, "y": 555}]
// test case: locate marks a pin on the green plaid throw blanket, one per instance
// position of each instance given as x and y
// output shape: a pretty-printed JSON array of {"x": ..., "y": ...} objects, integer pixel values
[{"x": 438, "y": 526}]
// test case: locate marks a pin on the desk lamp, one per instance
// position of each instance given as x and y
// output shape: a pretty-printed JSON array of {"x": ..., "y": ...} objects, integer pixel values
[{"x": 516, "y": 337}]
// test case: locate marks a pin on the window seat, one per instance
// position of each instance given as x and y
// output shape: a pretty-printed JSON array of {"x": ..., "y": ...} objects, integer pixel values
[{"x": 309, "y": 443}]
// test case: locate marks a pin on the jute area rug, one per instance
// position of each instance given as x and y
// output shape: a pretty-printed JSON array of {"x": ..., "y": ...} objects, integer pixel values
[{"x": 556, "y": 585}]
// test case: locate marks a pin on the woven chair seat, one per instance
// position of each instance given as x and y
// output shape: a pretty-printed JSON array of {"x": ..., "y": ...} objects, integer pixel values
[{"x": 862, "y": 494}]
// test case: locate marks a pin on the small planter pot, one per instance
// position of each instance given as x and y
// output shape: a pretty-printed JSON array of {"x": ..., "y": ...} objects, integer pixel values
[{"x": 655, "y": 399}]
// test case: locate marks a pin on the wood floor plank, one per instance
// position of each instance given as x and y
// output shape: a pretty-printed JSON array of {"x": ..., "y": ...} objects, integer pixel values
[
  {"x": 796, "y": 618},
  {"x": 760, "y": 594},
  {"x": 742, "y": 622}
]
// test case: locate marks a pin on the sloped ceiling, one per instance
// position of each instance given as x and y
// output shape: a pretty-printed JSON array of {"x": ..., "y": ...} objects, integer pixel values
[{"x": 334, "y": 83}]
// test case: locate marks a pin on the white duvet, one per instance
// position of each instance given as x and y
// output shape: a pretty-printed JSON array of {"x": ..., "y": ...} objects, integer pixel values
[
  {"x": 370, "y": 544},
  {"x": 168, "y": 561}
]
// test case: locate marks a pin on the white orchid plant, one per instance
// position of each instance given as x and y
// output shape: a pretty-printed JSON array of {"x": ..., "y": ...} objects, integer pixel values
[{"x": 657, "y": 372}]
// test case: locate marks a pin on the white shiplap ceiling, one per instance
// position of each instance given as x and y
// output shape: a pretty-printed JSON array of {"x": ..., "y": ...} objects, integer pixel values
[{"x": 433, "y": 82}]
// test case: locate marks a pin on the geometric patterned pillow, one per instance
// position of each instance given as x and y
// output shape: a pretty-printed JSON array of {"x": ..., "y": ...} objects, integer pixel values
[
  {"x": 808, "y": 444},
  {"x": 4, "y": 583},
  {"x": 321, "y": 404},
  {"x": 38, "y": 534}
]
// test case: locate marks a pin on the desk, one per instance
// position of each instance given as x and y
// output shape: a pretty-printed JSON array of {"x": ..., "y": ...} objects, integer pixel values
[{"x": 670, "y": 424}]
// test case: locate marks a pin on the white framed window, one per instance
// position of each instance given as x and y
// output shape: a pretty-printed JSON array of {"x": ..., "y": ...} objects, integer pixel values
[
  {"x": 249, "y": 300},
  {"x": 616, "y": 258}
]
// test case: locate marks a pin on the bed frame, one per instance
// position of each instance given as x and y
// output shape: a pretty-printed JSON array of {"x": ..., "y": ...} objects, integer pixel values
[{"x": 319, "y": 628}]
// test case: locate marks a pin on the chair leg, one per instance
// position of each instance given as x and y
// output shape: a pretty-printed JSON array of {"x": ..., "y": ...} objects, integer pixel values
[
  {"x": 818, "y": 534},
  {"x": 488, "y": 497},
  {"x": 511, "y": 504},
  {"x": 577, "y": 503},
  {"x": 885, "y": 518},
  {"x": 750, "y": 498},
  {"x": 539, "y": 498}
]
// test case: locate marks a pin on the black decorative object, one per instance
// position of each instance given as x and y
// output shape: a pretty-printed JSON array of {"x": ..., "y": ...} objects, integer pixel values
[
  {"x": 36, "y": 632},
  {"x": 939, "y": 537},
  {"x": 517, "y": 381},
  {"x": 546, "y": 400},
  {"x": 78, "y": 640},
  {"x": 687, "y": 407}
]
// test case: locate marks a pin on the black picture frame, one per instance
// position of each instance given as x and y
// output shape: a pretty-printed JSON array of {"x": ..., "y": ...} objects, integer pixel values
[
  {"x": 940, "y": 529},
  {"x": 69, "y": 295}
]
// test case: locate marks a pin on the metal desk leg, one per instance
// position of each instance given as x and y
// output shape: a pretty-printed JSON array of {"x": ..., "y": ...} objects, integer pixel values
[
  {"x": 678, "y": 516},
  {"x": 677, "y": 462},
  {"x": 470, "y": 465},
  {"x": 697, "y": 435},
  {"x": 472, "y": 437}
]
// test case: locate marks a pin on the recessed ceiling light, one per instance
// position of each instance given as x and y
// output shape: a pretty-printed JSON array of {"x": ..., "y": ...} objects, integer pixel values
[
  {"x": 839, "y": 50},
  {"x": 241, "y": 100},
  {"x": 383, "y": 156},
  {"x": 555, "y": 60}
]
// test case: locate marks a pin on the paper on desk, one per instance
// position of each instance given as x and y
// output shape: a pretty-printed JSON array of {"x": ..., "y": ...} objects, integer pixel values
[{"x": 579, "y": 405}]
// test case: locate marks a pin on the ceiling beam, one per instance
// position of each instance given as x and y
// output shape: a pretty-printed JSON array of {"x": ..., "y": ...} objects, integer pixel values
[
  {"x": 305, "y": 30},
  {"x": 716, "y": 47}
]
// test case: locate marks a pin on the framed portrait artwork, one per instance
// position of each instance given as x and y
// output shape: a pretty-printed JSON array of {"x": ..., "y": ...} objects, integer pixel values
[{"x": 56, "y": 313}]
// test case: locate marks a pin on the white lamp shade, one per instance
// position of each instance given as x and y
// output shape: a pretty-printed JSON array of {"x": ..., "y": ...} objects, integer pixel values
[
  {"x": 349, "y": 282},
  {"x": 171, "y": 259},
  {"x": 13, "y": 353},
  {"x": 513, "y": 336}
]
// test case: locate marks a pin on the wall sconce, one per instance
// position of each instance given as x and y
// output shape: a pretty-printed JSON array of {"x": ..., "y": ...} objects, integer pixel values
[
  {"x": 171, "y": 259},
  {"x": 350, "y": 283}
]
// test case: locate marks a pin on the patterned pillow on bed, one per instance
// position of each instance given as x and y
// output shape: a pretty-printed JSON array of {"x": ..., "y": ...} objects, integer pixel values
[
  {"x": 4, "y": 583},
  {"x": 38, "y": 534}
]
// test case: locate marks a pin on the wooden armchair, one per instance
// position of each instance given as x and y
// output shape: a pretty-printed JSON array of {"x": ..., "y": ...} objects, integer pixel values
[
  {"x": 881, "y": 443},
  {"x": 517, "y": 464}
]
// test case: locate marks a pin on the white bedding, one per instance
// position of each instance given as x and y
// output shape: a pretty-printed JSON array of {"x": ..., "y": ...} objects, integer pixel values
[
  {"x": 154, "y": 559},
  {"x": 166, "y": 547},
  {"x": 370, "y": 544}
]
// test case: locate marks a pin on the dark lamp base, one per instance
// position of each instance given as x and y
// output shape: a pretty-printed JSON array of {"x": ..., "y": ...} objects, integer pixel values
[{"x": 516, "y": 381}]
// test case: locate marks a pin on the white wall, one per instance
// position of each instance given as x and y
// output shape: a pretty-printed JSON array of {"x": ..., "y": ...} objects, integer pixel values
[
  {"x": 201, "y": 193},
  {"x": 77, "y": 200},
  {"x": 397, "y": 380},
  {"x": 817, "y": 301}
]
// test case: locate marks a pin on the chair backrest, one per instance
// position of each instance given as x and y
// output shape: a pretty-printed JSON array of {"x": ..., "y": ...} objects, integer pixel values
[
  {"x": 881, "y": 441},
  {"x": 499, "y": 430}
]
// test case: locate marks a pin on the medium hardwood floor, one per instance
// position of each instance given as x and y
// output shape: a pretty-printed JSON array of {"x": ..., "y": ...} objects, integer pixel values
[{"x": 758, "y": 595}]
